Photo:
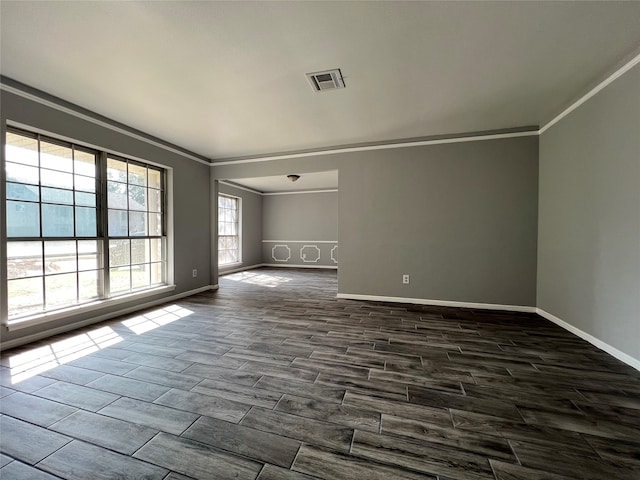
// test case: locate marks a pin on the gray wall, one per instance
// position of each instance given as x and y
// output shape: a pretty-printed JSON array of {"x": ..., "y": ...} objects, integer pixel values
[
  {"x": 191, "y": 194},
  {"x": 251, "y": 217},
  {"x": 589, "y": 233},
  {"x": 460, "y": 218},
  {"x": 303, "y": 224}
]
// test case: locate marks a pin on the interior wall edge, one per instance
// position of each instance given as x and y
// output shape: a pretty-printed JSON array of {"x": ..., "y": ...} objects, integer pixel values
[
  {"x": 623, "y": 357},
  {"x": 439, "y": 303},
  {"x": 590, "y": 149}
]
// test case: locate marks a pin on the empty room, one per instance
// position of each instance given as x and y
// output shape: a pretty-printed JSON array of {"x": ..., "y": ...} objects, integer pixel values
[{"x": 335, "y": 240}]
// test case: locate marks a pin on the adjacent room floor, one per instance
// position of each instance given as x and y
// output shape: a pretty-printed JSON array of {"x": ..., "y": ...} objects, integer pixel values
[{"x": 272, "y": 377}]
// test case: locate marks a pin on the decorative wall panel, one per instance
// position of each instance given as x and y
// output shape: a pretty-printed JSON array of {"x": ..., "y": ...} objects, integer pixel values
[
  {"x": 281, "y": 253},
  {"x": 304, "y": 253}
]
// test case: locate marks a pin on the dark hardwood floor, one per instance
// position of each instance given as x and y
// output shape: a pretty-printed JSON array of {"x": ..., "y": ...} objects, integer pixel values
[{"x": 272, "y": 377}]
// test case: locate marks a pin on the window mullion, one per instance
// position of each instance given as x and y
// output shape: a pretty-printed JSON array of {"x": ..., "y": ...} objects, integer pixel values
[
  {"x": 75, "y": 220},
  {"x": 104, "y": 225},
  {"x": 44, "y": 265},
  {"x": 31, "y": 150},
  {"x": 77, "y": 272}
]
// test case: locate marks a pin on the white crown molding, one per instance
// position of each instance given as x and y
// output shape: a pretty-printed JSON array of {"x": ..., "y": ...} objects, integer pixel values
[
  {"x": 258, "y": 192},
  {"x": 240, "y": 187},
  {"x": 47, "y": 133},
  {"x": 623, "y": 357},
  {"x": 88, "y": 118},
  {"x": 439, "y": 303},
  {"x": 383, "y": 146},
  {"x": 607, "y": 81},
  {"x": 610, "y": 79},
  {"x": 298, "y": 192}
]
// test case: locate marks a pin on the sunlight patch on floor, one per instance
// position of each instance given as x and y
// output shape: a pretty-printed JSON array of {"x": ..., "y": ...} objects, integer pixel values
[
  {"x": 255, "y": 278},
  {"x": 28, "y": 364},
  {"x": 156, "y": 318},
  {"x": 38, "y": 360}
]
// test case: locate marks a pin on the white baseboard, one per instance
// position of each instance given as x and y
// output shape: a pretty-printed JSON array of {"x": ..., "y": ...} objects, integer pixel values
[
  {"x": 275, "y": 265},
  {"x": 83, "y": 323},
  {"x": 225, "y": 271},
  {"x": 289, "y": 265},
  {"x": 439, "y": 303},
  {"x": 623, "y": 357}
]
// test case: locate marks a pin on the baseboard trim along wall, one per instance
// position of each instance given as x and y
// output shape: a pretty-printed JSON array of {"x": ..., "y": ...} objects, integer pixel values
[
  {"x": 275, "y": 265},
  {"x": 222, "y": 273},
  {"x": 226, "y": 271},
  {"x": 439, "y": 303},
  {"x": 623, "y": 357},
  {"x": 73, "y": 326},
  {"x": 296, "y": 265}
]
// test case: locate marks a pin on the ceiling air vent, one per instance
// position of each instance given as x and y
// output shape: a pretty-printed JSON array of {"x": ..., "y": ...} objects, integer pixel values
[{"x": 327, "y": 80}]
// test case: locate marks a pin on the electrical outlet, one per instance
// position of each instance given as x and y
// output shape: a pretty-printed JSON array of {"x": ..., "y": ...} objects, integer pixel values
[
  {"x": 405, "y": 279},
  {"x": 195, "y": 273}
]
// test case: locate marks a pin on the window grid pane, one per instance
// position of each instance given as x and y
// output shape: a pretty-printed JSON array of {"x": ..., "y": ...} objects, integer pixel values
[
  {"x": 25, "y": 295},
  {"x": 135, "y": 226},
  {"x": 228, "y": 230},
  {"x": 55, "y": 256}
]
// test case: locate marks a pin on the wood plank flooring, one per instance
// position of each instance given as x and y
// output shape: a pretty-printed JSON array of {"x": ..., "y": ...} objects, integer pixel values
[{"x": 273, "y": 378}]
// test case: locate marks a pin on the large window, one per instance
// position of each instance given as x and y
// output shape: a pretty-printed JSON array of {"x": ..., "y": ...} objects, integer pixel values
[
  {"x": 134, "y": 199},
  {"x": 228, "y": 230},
  {"x": 82, "y": 226}
]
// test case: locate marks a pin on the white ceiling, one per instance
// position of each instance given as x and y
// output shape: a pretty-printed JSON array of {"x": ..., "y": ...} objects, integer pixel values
[
  {"x": 227, "y": 79},
  {"x": 280, "y": 183}
]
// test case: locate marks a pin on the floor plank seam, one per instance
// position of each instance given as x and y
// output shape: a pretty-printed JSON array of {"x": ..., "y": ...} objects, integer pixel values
[{"x": 268, "y": 378}]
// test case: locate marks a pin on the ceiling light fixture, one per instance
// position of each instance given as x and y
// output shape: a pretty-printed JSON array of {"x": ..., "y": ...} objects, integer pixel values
[{"x": 293, "y": 177}]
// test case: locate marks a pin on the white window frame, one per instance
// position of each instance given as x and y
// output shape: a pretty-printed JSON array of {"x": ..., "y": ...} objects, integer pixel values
[
  {"x": 45, "y": 316},
  {"x": 238, "y": 200}
]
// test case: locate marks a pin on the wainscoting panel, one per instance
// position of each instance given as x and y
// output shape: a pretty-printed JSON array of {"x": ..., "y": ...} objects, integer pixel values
[{"x": 303, "y": 253}]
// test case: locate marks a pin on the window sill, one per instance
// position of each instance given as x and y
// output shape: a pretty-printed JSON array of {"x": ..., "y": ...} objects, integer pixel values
[{"x": 40, "y": 318}]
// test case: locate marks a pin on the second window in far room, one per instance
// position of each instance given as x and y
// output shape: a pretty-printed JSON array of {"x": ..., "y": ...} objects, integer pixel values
[{"x": 228, "y": 230}]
